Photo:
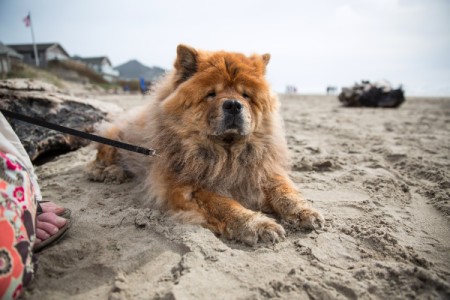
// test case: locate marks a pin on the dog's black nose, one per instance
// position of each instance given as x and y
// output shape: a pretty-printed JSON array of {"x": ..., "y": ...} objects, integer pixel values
[{"x": 232, "y": 107}]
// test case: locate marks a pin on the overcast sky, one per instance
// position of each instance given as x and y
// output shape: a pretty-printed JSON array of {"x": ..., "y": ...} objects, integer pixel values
[{"x": 313, "y": 43}]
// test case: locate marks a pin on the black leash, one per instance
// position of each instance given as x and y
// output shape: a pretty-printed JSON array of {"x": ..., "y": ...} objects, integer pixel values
[{"x": 81, "y": 134}]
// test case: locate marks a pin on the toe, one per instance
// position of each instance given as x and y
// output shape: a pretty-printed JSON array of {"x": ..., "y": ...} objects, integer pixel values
[
  {"x": 41, "y": 234},
  {"x": 49, "y": 228},
  {"x": 320, "y": 220},
  {"x": 51, "y": 207},
  {"x": 270, "y": 231},
  {"x": 311, "y": 219},
  {"x": 52, "y": 218}
]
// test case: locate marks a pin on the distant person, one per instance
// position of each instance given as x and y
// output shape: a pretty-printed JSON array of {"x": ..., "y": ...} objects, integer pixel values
[
  {"x": 291, "y": 89},
  {"x": 331, "y": 90},
  {"x": 143, "y": 86}
]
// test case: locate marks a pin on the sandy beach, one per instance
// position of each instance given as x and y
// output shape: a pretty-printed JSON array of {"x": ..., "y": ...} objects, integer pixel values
[{"x": 381, "y": 177}]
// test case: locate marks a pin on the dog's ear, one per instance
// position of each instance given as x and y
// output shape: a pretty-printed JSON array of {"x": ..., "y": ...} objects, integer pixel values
[
  {"x": 266, "y": 58},
  {"x": 186, "y": 62},
  {"x": 261, "y": 62}
]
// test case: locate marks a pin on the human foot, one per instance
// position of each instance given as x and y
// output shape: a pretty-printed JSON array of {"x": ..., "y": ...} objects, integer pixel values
[
  {"x": 51, "y": 224},
  {"x": 48, "y": 224}
]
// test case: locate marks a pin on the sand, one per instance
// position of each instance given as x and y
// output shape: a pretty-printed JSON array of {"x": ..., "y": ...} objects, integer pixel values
[{"x": 381, "y": 177}]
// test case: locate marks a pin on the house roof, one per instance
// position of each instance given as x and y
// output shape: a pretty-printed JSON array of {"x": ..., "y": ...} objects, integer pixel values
[
  {"x": 9, "y": 51},
  {"x": 98, "y": 60},
  {"x": 23, "y": 48}
]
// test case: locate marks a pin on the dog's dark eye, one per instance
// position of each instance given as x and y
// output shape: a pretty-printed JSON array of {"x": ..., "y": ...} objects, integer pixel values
[
  {"x": 246, "y": 96},
  {"x": 211, "y": 95}
]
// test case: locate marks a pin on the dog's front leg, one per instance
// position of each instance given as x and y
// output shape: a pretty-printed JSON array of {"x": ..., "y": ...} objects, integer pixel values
[
  {"x": 105, "y": 166},
  {"x": 226, "y": 216},
  {"x": 286, "y": 201}
]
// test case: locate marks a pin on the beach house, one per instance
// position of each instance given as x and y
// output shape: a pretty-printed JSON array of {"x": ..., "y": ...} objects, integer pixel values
[
  {"x": 46, "y": 53},
  {"x": 101, "y": 65}
]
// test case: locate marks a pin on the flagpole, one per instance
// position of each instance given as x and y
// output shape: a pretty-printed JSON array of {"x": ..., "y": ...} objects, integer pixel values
[{"x": 34, "y": 43}]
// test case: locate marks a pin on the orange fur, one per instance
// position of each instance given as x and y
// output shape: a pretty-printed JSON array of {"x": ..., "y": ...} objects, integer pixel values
[{"x": 208, "y": 170}]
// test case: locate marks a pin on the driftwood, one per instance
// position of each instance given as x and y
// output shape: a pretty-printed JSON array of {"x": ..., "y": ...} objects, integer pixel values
[
  {"x": 43, "y": 101},
  {"x": 379, "y": 94}
]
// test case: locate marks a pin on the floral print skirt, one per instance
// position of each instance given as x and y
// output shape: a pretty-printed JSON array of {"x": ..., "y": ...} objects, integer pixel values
[{"x": 17, "y": 227}]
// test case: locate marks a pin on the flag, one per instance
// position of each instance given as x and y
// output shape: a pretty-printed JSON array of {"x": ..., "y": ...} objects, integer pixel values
[{"x": 27, "y": 20}]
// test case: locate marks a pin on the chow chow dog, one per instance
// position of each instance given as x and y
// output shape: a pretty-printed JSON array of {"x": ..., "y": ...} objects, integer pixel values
[{"x": 222, "y": 159}]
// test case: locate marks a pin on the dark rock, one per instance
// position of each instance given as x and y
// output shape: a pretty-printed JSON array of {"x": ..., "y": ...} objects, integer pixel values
[
  {"x": 372, "y": 95},
  {"x": 43, "y": 101}
]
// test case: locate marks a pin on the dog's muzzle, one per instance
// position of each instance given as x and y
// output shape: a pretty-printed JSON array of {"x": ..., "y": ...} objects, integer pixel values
[{"x": 232, "y": 110}]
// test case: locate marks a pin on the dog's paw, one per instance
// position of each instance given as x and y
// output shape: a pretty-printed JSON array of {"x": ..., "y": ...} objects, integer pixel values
[
  {"x": 260, "y": 228},
  {"x": 109, "y": 174},
  {"x": 94, "y": 172},
  {"x": 306, "y": 218}
]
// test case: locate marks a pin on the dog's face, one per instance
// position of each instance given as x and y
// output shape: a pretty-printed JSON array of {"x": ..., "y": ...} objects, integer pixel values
[{"x": 219, "y": 94}]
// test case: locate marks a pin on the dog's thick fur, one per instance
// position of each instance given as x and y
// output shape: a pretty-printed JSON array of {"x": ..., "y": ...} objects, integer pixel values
[{"x": 222, "y": 156}]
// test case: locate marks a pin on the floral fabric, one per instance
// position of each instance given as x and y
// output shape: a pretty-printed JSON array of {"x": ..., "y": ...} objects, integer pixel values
[{"x": 17, "y": 227}]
